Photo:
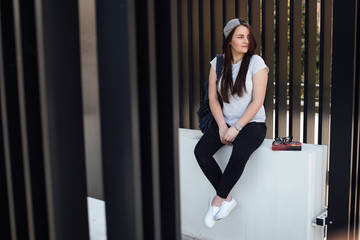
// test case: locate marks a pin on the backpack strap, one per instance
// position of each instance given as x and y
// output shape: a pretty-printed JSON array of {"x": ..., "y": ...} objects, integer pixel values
[
  {"x": 219, "y": 69},
  {"x": 219, "y": 65}
]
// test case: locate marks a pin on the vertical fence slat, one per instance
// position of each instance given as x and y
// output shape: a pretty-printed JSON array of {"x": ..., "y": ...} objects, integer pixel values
[
  {"x": 268, "y": 54},
  {"x": 325, "y": 76},
  {"x": 342, "y": 110},
  {"x": 295, "y": 69},
  {"x": 205, "y": 44},
  {"x": 167, "y": 78},
  {"x": 23, "y": 128},
  {"x": 6, "y": 222},
  {"x": 184, "y": 85},
  {"x": 190, "y": 60},
  {"x": 229, "y": 10},
  {"x": 310, "y": 70},
  {"x": 201, "y": 44},
  {"x": 353, "y": 222},
  {"x": 57, "y": 34},
  {"x": 6, "y": 198},
  {"x": 212, "y": 27},
  {"x": 354, "y": 168},
  {"x": 154, "y": 127},
  {"x": 173, "y": 151},
  {"x": 218, "y": 26},
  {"x": 5, "y": 227},
  {"x": 281, "y": 67},
  {"x": 254, "y": 20},
  {"x": 11, "y": 126},
  {"x": 150, "y": 179},
  {"x": 116, "y": 43},
  {"x": 356, "y": 230},
  {"x": 325, "y": 72},
  {"x": 224, "y": 12},
  {"x": 195, "y": 54},
  {"x": 243, "y": 9}
]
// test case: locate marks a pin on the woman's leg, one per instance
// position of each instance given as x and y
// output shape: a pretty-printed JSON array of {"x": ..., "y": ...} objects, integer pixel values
[
  {"x": 248, "y": 140},
  {"x": 207, "y": 146}
]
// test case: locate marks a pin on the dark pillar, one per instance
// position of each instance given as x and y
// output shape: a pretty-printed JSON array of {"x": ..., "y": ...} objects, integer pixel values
[
  {"x": 119, "y": 118},
  {"x": 138, "y": 82},
  {"x": 167, "y": 57},
  {"x": 343, "y": 117},
  {"x": 11, "y": 127},
  {"x": 57, "y": 28}
]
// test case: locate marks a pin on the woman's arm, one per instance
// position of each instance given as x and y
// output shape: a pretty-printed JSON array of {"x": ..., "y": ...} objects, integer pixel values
[
  {"x": 215, "y": 106},
  {"x": 260, "y": 82}
]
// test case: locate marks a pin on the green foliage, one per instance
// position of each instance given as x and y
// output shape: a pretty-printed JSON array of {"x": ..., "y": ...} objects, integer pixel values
[{"x": 317, "y": 73}]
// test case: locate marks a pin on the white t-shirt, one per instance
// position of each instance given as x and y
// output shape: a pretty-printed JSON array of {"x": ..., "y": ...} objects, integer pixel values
[{"x": 237, "y": 105}]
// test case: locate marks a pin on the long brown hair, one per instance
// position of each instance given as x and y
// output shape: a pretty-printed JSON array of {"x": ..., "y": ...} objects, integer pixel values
[{"x": 227, "y": 79}]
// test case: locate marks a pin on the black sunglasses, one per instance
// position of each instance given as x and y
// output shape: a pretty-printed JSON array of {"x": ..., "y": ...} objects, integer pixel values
[{"x": 283, "y": 140}]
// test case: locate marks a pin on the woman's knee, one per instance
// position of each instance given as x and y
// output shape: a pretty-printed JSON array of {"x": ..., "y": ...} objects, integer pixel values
[
  {"x": 198, "y": 151},
  {"x": 201, "y": 150}
]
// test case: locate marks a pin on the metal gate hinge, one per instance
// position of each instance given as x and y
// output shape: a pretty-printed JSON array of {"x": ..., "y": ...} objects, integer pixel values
[{"x": 322, "y": 220}]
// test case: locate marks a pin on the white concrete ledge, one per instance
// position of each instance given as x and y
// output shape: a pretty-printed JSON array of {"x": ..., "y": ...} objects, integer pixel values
[{"x": 279, "y": 194}]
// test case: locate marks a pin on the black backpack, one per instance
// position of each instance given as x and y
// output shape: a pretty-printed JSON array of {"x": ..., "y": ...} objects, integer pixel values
[{"x": 204, "y": 113}]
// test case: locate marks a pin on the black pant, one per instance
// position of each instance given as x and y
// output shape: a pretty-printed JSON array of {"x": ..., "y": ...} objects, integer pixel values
[{"x": 246, "y": 142}]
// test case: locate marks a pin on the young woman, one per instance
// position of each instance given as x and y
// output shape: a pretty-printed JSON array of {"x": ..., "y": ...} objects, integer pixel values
[{"x": 240, "y": 122}]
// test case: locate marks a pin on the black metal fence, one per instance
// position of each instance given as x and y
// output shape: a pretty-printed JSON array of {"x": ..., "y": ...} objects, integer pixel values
[
  {"x": 42, "y": 162},
  {"x": 42, "y": 159},
  {"x": 43, "y": 191},
  {"x": 345, "y": 122},
  {"x": 294, "y": 38}
]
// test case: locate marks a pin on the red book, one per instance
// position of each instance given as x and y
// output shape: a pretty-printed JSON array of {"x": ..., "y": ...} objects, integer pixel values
[{"x": 295, "y": 146}]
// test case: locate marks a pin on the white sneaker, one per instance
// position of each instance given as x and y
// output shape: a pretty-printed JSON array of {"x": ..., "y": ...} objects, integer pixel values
[
  {"x": 209, "y": 218},
  {"x": 225, "y": 209}
]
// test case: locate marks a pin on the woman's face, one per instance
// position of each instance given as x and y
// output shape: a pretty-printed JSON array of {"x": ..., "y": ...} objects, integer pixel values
[{"x": 240, "y": 40}]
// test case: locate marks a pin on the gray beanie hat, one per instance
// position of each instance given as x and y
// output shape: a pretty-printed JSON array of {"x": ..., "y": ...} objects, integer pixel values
[{"x": 233, "y": 24}]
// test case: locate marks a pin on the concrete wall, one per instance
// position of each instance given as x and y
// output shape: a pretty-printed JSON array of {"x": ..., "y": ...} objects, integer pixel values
[{"x": 279, "y": 194}]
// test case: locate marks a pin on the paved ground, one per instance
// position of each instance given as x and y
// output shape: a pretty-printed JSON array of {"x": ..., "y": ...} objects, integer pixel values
[{"x": 97, "y": 220}]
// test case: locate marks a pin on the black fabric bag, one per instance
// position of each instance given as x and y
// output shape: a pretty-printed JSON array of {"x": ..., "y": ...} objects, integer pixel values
[{"x": 204, "y": 113}]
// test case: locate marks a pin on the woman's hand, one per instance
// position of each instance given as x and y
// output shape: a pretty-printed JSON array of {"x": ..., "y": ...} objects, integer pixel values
[
  {"x": 230, "y": 135},
  {"x": 222, "y": 132}
]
